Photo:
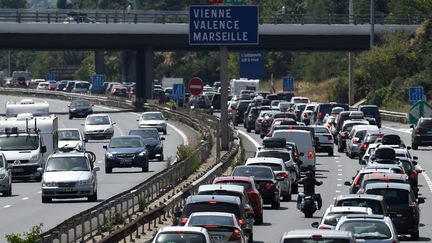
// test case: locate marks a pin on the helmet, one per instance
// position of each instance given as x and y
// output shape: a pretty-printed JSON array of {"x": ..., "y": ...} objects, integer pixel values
[
  {"x": 258, "y": 100},
  {"x": 309, "y": 174}
]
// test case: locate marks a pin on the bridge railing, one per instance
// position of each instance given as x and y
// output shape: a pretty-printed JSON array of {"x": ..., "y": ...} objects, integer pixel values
[{"x": 82, "y": 16}]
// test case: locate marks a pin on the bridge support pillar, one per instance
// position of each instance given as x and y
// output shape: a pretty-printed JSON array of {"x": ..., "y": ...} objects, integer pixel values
[
  {"x": 144, "y": 75},
  {"x": 99, "y": 61},
  {"x": 128, "y": 67}
]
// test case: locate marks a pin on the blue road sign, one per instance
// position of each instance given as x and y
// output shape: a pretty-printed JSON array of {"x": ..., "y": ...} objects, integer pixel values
[
  {"x": 415, "y": 94},
  {"x": 223, "y": 25},
  {"x": 288, "y": 83},
  {"x": 252, "y": 65},
  {"x": 50, "y": 76},
  {"x": 178, "y": 92},
  {"x": 97, "y": 83}
]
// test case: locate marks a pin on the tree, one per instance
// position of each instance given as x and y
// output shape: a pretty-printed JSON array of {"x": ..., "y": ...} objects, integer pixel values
[{"x": 13, "y": 3}]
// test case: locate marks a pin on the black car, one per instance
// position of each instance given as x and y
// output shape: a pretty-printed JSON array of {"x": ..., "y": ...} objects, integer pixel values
[
  {"x": 265, "y": 182},
  {"x": 372, "y": 114},
  {"x": 80, "y": 108},
  {"x": 238, "y": 111},
  {"x": 325, "y": 108},
  {"x": 152, "y": 140},
  {"x": 216, "y": 101},
  {"x": 422, "y": 133},
  {"x": 61, "y": 85}
]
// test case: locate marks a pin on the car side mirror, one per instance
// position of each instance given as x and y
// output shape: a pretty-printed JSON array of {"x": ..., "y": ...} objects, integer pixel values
[
  {"x": 362, "y": 162},
  {"x": 315, "y": 224},
  {"x": 415, "y": 158},
  {"x": 162, "y": 138},
  {"x": 411, "y": 126},
  {"x": 347, "y": 183},
  {"x": 420, "y": 200},
  {"x": 40, "y": 169},
  {"x": 114, "y": 123},
  {"x": 408, "y": 148},
  {"x": 43, "y": 149},
  {"x": 419, "y": 171},
  {"x": 414, "y": 162},
  {"x": 104, "y": 146}
]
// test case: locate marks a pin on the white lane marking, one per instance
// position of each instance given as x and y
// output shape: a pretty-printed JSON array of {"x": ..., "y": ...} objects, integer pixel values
[
  {"x": 7, "y": 206},
  {"x": 24, "y": 198},
  {"x": 39, "y": 192},
  {"x": 339, "y": 179},
  {"x": 339, "y": 165},
  {"x": 339, "y": 169},
  {"x": 337, "y": 161},
  {"x": 250, "y": 138},
  {"x": 339, "y": 174},
  {"x": 338, "y": 185},
  {"x": 100, "y": 161},
  {"x": 427, "y": 178},
  {"x": 337, "y": 191}
]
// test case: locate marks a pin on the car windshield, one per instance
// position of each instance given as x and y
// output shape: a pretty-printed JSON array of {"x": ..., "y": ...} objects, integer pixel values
[
  {"x": 407, "y": 165},
  {"x": 321, "y": 130},
  {"x": 97, "y": 120},
  {"x": 210, "y": 220},
  {"x": 125, "y": 142},
  {"x": 275, "y": 154},
  {"x": 80, "y": 103},
  {"x": 393, "y": 196},
  {"x": 67, "y": 164},
  {"x": 246, "y": 185},
  {"x": 68, "y": 135},
  {"x": 360, "y": 134},
  {"x": 213, "y": 206},
  {"x": 360, "y": 202},
  {"x": 369, "y": 111},
  {"x": 180, "y": 237},
  {"x": 316, "y": 240},
  {"x": 367, "y": 229},
  {"x": 8, "y": 143},
  {"x": 257, "y": 172},
  {"x": 333, "y": 218},
  {"x": 82, "y": 85},
  {"x": 145, "y": 133},
  {"x": 152, "y": 116}
]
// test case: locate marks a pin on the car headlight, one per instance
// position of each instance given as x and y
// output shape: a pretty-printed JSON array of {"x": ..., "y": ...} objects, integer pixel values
[
  {"x": 73, "y": 109},
  {"x": 85, "y": 182},
  {"x": 109, "y": 155},
  {"x": 34, "y": 157},
  {"x": 49, "y": 183},
  {"x": 109, "y": 129},
  {"x": 2, "y": 176},
  {"x": 143, "y": 153}
]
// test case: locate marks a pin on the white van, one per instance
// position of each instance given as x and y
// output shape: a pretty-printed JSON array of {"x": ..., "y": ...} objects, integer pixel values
[{"x": 303, "y": 140}]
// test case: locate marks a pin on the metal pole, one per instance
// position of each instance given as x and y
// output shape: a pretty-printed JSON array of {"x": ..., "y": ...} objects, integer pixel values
[
  {"x": 350, "y": 60},
  {"x": 224, "y": 96},
  {"x": 9, "y": 64},
  {"x": 372, "y": 22}
]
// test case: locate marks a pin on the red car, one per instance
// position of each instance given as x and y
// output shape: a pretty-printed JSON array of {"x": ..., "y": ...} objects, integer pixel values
[{"x": 253, "y": 194}]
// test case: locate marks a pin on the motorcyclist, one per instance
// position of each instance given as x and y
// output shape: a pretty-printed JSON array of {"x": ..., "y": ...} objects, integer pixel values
[{"x": 309, "y": 182}]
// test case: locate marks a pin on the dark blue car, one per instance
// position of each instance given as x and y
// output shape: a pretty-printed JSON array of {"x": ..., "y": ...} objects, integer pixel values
[
  {"x": 152, "y": 140},
  {"x": 125, "y": 152}
]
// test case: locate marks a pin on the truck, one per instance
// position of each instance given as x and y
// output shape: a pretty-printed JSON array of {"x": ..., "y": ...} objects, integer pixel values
[
  {"x": 169, "y": 82},
  {"x": 20, "y": 79},
  {"x": 237, "y": 85},
  {"x": 13, "y": 108},
  {"x": 26, "y": 142}
]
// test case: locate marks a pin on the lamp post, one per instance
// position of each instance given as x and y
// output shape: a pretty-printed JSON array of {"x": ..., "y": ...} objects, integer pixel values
[{"x": 372, "y": 22}]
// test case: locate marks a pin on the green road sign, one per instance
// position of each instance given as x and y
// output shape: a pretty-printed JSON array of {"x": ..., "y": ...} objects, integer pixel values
[
  {"x": 237, "y": 2},
  {"x": 419, "y": 109}
]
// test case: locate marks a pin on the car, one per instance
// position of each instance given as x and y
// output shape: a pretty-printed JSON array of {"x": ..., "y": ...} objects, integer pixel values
[
  {"x": 61, "y": 85},
  {"x": 222, "y": 227},
  {"x": 356, "y": 136},
  {"x": 371, "y": 113},
  {"x": 5, "y": 177},
  {"x": 284, "y": 106},
  {"x": 251, "y": 115},
  {"x": 125, "y": 152},
  {"x": 375, "y": 202},
  {"x": 306, "y": 117},
  {"x": 325, "y": 140},
  {"x": 299, "y": 99},
  {"x": 42, "y": 86},
  {"x": 81, "y": 87},
  {"x": 153, "y": 119},
  {"x": 119, "y": 90},
  {"x": 323, "y": 109},
  {"x": 218, "y": 203},
  {"x": 279, "y": 168},
  {"x": 202, "y": 101},
  {"x": 80, "y": 108},
  {"x": 152, "y": 140},
  {"x": 369, "y": 228},
  {"x": 421, "y": 134},
  {"x": 334, "y": 213},
  {"x": 298, "y": 109},
  {"x": 238, "y": 111},
  {"x": 345, "y": 130},
  {"x": 265, "y": 180},
  {"x": 402, "y": 204},
  {"x": 69, "y": 86},
  {"x": 169, "y": 234},
  {"x": 317, "y": 236},
  {"x": 382, "y": 177},
  {"x": 216, "y": 101},
  {"x": 70, "y": 139},
  {"x": 369, "y": 138},
  {"x": 52, "y": 85},
  {"x": 375, "y": 169},
  {"x": 264, "y": 115},
  {"x": 98, "y": 126},
  {"x": 252, "y": 192},
  {"x": 274, "y": 104},
  {"x": 69, "y": 175}
]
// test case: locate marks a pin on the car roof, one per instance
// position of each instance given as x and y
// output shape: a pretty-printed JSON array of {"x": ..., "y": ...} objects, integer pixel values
[
  {"x": 339, "y": 209},
  {"x": 388, "y": 185},
  {"x": 150, "y": 112},
  {"x": 291, "y": 131},
  {"x": 143, "y": 128},
  {"x": 225, "y": 187},
  {"x": 212, "y": 214},
  {"x": 265, "y": 159},
  {"x": 183, "y": 229},
  {"x": 69, "y": 154},
  {"x": 310, "y": 233},
  {"x": 234, "y": 178},
  {"x": 391, "y": 176},
  {"x": 361, "y": 196},
  {"x": 217, "y": 198},
  {"x": 370, "y": 128}
]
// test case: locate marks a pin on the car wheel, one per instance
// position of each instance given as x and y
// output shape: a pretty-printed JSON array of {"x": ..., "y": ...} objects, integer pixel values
[
  {"x": 340, "y": 149},
  {"x": 9, "y": 192},
  {"x": 108, "y": 170},
  {"x": 256, "y": 132},
  {"x": 416, "y": 235},
  {"x": 414, "y": 146},
  {"x": 331, "y": 153},
  {"x": 161, "y": 157},
  {"x": 70, "y": 117},
  {"x": 145, "y": 168},
  {"x": 165, "y": 132},
  {"x": 46, "y": 199},
  {"x": 262, "y": 136},
  {"x": 250, "y": 238},
  {"x": 93, "y": 197},
  {"x": 39, "y": 178},
  {"x": 275, "y": 205},
  {"x": 286, "y": 198},
  {"x": 259, "y": 219},
  {"x": 248, "y": 129}
]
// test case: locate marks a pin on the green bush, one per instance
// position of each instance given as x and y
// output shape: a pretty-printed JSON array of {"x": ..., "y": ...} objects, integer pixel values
[{"x": 27, "y": 237}]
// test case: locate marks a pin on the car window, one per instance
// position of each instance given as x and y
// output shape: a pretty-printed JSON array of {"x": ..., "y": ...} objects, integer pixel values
[
  {"x": 68, "y": 135},
  {"x": 125, "y": 142},
  {"x": 360, "y": 202},
  {"x": 145, "y": 133},
  {"x": 97, "y": 120},
  {"x": 274, "y": 167},
  {"x": 67, "y": 164},
  {"x": 210, "y": 220},
  {"x": 360, "y": 134},
  {"x": 80, "y": 103},
  {"x": 262, "y": 172},
  {"x": 333, "y": 218},
  {"x": 316, "y": 240},
  {"x": 245, "y": 185},
  {"x": 321, "y": 130},
  {"x": 393, "y": 196},
  {"x": 152, "y": 116},
  {"x": 274, "y": 154},
  {"x": 19, "y": 143},
  {"x": 82, "y": 85},
  {"x": 369, "y": 111},
  {"x": 213, "y": 206},
  {"x": 183, "y": 237},
  {"x": 367, "y": 229},
  {"x": 2, "y": 163},
  {"x": 426, "y": 123}
]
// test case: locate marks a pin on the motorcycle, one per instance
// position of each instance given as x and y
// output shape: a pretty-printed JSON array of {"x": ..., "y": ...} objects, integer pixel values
[{"x": 308, "y": 205}]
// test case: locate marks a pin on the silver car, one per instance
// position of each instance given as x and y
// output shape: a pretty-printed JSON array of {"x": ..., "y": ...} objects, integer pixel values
[
  {"x": 70, "y": 139},
  {"x": 369, "y": 228},
  {"x": 98, "y": 126},
  {"x": 5, "y": 177},
  {"x": 69, "y": 175},
  {"x": 153, "y": 119},
  {"x": 317, "y": 236},
  {"x": 326, "y": 142}
]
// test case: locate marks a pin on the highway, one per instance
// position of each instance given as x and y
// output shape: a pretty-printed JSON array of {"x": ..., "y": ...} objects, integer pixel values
[
  {"x": 334, "y": 171},
  {"x": 24, "y": 208}
]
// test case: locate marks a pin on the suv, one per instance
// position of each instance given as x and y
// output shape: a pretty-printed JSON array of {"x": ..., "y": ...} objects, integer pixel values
[
  {"x": 5, "y": 177},
  {"x": 239, "y": 110},
  {"x": 422, "y": 133},
  {"x": 375, "y": 202},
  {"x": 345, "y": 131},
  {"x": 218, "y": 203},
  {"x": 321, "y": 110},
  {"x": 371, "y": 113},
  {"x": 98, "y": 126},
  {"x": 403, "y": 206},
  {"x": 251, "y": 115},
  {"x": 69, "y": 175},
  {"x": 333, "y": 213}
]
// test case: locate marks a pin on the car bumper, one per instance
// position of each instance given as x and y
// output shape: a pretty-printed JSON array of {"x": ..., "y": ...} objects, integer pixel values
[
  {"x": 137, "y": 161},
  {"x": 160, "y": 128},
  {"x": 68, "y": 192},
  {"x": 355, "y": 149},
  {"x": 405, "y": 225},
  {"x": 268, "y": 196},
  {"x": 80, "y": 113},
  {"x": 423, "y": 139},
  {"x": 96, "y": 135},
  {"x": 325, "y": 147},
  {"x": 23, "y": 172}
]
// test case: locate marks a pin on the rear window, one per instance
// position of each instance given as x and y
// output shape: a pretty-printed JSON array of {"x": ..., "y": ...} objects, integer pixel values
[
  {"x": 262, "y": 172},
  {"x": 333, "y": 218},
  {"x": 316, "y": 240},
  {"x": 393, "y": 197},
  {"x": 274, "y": 167},
  {"x": 367, "y": 229},
  {"x": 242, "y": 105},
  {"x": 210, "y": 220},
  {"x": 361, "y": 202},
  {"x": 370, "y": 111},
  {"x": 245, "y": 185},
  {"x": 212, "y": 207},
  {"x": 273, "y": 154},
  {"x": 221, "y": 192},
  {"x": 187, "y": 237},
  {"x": 360, "y": 134},
  {"x": 321, "y": 130},
  {"x": 426, "y": 123}
]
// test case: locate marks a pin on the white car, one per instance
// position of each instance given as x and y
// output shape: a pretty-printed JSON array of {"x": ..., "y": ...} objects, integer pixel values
[
  {"x": 182, "y": 234},
  {"x": 70, "y": 138},
  {"x": 69, "y": 175},
  {"x": 153, "y": 119},
  {"x": 5, "y": 177},
  {"x": 332, "y": 215},
  {"x": 42, "y": 86},
  {"x": 98, "y": 126}
]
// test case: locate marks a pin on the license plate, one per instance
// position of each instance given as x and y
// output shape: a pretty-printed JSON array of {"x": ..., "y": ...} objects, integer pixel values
[
  {"x": 17, "y": 170},
  {"x": 126, "y": 161},
  {"x": 217, "y": 237},
  {"x": 68, "y": 189}
]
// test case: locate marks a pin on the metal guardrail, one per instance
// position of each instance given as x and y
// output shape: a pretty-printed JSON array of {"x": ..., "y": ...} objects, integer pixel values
[{"x": 82, "y": 16}]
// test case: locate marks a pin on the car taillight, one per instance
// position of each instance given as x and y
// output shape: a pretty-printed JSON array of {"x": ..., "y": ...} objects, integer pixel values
[
  {"x": 253, "y": 197},
  {"x": 413, "y": 175},
  {"x": 283, "y": 174},
  {"x": 236, "y": 235},
  {"x": 183, "y": 221},
  {"x": 310, "y": 155},
  {"x": 241, "y": 222},
  {"x": 270, "y": 186},
  {"x": 320, "y": 114},
  {"x": 238, "y": 113},
  {"x": 355, "y": 140},
  {"x": 305, "y": 114},
  {"x": 413, "y": 207},
  {"x": 344, "y": 135},
  {"x": 418, "y": 130},
  {"x": 296, "y": 155},
  {"x": 364, "y": 146},
  {"x": 269, "y": 134},
  {"x": 324, "y": 228},
  {"x": 329, "y": 137}
]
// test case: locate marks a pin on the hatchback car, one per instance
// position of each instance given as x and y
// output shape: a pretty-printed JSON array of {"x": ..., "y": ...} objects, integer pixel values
[
  {"x": 375, "y": 202},
  {"x": 421, "y": 133},
  {"x": 81, "y": 87},
  {"x": 70, "y": 139},
  {"x": 369, "y": 228},
  {"x": 125, "y": 152},
  {"x": 333, "y": 213},
  {"x": 153, "y": 119},
  {"x": 171, "y": 234},
  {"x": 371, "y": 113},
  {"x": 152, "y": 140},
  {"x": 98, "y": 126},
  {"x": 317, "y": 236},
  {"x": 222, "y": 227},
  {"x": 325, "y": 140},
  {"x": 355, "y": 138},
  {"x": 343, "y": 134},
  {"x": 80, "y": 108},
  {"x": 69, "y": 175},
  {"x": 5, "y": 177}
]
